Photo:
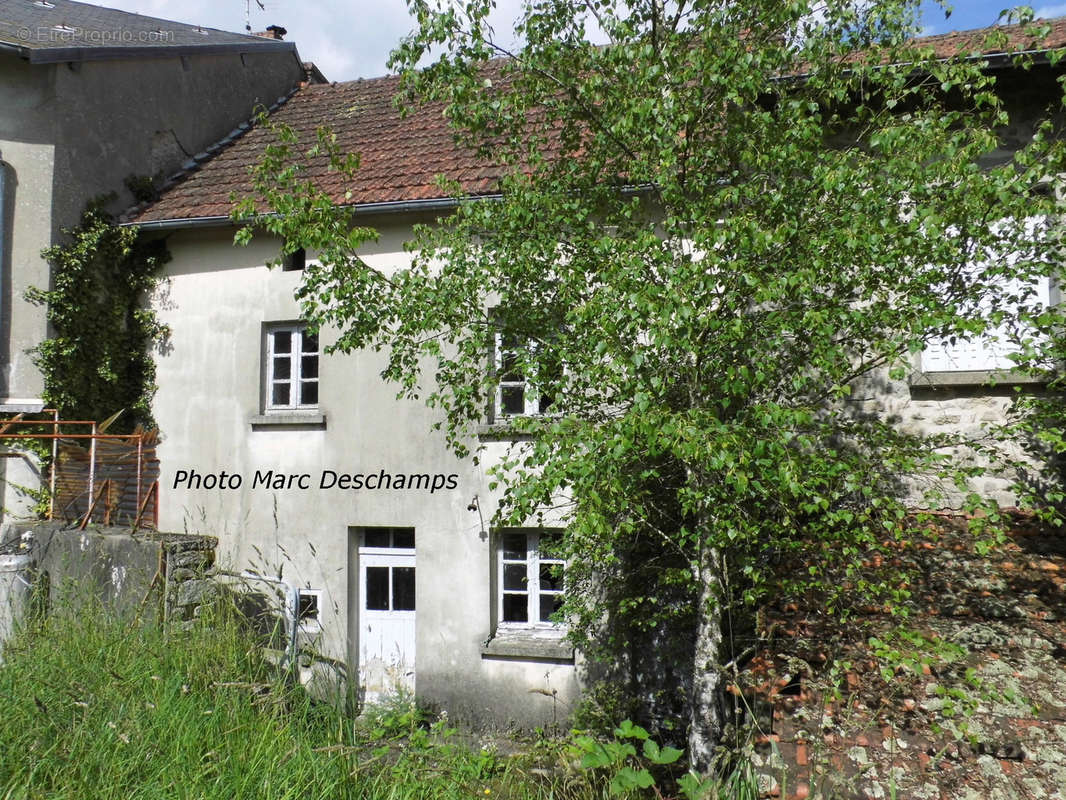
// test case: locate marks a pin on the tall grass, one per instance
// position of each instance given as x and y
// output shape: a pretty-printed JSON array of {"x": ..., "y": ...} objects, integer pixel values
[{"x": 96, "y": 707}]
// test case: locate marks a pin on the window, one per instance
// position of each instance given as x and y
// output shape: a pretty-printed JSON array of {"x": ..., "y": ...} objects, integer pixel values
[
  {"x": 990, "y": 352},
  {"x": 291, "y": 368},
  {"x": 530, "y": 577},
  {"x": 389, "y": 538},
  {"x": 309, "y": 608},
  {"x": 389, "y": 571},
  {"x": 515, "y": 395},
  {"x": 296, "y": 260}
]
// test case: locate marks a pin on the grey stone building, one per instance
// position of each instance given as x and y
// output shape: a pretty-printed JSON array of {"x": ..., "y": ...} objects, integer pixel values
[{"x": 90, "y": 96}]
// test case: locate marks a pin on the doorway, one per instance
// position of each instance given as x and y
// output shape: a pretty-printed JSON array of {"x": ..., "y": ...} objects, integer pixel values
[{"x": 385, "y": 611}]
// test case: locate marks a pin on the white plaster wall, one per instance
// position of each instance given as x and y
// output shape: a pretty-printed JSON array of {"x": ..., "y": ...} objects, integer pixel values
[{"x": 216, "y": 299}]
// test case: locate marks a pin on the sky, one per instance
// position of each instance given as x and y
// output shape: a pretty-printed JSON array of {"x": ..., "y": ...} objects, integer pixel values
[{"x": 351, "y": 39}]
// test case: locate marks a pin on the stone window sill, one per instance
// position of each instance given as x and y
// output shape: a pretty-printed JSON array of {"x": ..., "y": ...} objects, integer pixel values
[
  {"x": 975, "y": 378},
  {"x": 295, "y": 419},
  {"x": 529, "y": 644}
]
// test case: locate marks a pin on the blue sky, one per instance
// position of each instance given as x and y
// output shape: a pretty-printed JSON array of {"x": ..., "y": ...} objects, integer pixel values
[
  {"x": 351, "y": 39},
  {"x": 977, "y": 14}
]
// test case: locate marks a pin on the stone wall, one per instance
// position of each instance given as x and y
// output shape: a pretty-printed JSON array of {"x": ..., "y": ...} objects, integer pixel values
[
  {"x": 145, "y": 572},
  {"x": 982, "y": 716}
]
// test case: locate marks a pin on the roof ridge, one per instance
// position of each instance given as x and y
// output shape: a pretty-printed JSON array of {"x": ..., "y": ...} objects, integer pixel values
[{"x": 153, "y": 18}]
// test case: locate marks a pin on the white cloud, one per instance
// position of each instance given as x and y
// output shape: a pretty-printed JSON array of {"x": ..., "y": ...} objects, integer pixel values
[
  {"x": 346, "y": 40},
  {"x": 1047, "y": 12}
]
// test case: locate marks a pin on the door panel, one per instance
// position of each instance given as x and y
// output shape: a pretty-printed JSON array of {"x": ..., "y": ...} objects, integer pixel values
[{"x": 386, "y": 621}]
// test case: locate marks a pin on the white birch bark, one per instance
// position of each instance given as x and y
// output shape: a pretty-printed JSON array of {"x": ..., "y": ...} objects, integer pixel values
[{"x": 707, "y": 713}]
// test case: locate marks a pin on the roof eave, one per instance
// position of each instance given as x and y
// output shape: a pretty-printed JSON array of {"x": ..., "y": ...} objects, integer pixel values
[
  {"x": 387, "y": 207},
  {"x": 18, "y": 50}
]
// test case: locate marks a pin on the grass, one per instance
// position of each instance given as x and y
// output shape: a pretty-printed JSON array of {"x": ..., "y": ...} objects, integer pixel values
[{"x": 95, "y": 707}]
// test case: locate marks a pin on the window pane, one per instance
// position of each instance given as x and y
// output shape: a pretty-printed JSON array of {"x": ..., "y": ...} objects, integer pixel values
[
  {"x": 403, "y": 537},
  {"x": 509, "y": 370},
  {"x": 309, "y": 343},
  {"x": 403, "y": 588},
  {"x": 309, "y": 367},
  {"x": 282, "y": 368},
  {"x": 514, "y": 577},
  {"x": 279, "y": 396},
  {"x": 550, "y": 545},
  {"x": 376, "y": 537},
  {"x": 282, "y": 341},
  {"x": 308, "y": 393},
  {"x": 549, "y": 604},
  {"x": 308, "y": 606},
  {"x": 551, "y": 576},
  {"x": 515, "y": 608},
  {"x": 513, "y": 399},
  {"x": 377, "y": 588},
  {"x": 514, "y": 546}
]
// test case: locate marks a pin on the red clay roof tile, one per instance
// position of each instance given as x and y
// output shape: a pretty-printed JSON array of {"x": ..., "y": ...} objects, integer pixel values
[{"x": 401, "y": 158}]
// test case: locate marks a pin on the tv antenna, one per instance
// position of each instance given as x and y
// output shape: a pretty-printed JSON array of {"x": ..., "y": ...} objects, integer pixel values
[{"x": 248, "y": 13}]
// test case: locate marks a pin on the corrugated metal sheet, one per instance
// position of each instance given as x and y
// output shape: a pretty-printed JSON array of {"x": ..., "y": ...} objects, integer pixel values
[{"x": 115, "y": 480}]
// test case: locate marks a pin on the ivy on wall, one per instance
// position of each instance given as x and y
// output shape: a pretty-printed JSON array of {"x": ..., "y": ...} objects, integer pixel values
[{"x": 98, "y": 359}]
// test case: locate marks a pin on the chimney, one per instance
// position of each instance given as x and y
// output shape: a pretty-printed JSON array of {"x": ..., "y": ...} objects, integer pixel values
[{"x": 273, "y": 32}]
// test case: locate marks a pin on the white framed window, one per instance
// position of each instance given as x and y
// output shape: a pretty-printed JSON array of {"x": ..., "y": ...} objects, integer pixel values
[
  {"x": 309, "y": 610},
  {"x": 291, "y": 372},
  {"x": 530, "y": 578},
  {"x": 515, "y": 394},
  {"x": 388, "y": 568},
  {"x": 991, "y": 351}
]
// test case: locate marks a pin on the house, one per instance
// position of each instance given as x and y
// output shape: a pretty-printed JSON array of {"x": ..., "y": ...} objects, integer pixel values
[
  {"x": 89, "y": 97},
  {"x": 307, "y": 466}
]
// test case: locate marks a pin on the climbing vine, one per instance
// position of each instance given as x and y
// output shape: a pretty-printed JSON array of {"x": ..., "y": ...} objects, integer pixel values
[{"x": 98, "y": 359}]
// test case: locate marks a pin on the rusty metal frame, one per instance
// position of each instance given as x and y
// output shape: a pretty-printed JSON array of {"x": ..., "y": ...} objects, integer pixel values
[{"x": 93, "y": 436}]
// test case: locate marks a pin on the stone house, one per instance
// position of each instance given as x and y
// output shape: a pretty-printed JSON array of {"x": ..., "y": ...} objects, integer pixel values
[
  {"x": 306, "y": 465},
  {"x": 90, "y": 96}
]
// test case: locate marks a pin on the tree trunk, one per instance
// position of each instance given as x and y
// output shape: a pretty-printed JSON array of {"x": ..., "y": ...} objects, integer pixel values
[{"x": 707, "y": 712}]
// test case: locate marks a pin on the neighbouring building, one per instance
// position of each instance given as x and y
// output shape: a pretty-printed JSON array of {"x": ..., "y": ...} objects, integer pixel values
[
  {"x": 89, "y": 97},
  {"x": 306, "y": 465}
]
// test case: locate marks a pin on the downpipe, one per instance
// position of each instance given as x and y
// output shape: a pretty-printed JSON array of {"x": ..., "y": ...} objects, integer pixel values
[{"x": 291, "y": 611}]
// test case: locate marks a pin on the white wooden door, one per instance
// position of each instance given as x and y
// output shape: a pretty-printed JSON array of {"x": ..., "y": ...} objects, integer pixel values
[{"x": 386, "y": 621}]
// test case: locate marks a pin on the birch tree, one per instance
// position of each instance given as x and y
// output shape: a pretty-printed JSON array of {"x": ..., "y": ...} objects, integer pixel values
[{"x": 721, "y": 226}]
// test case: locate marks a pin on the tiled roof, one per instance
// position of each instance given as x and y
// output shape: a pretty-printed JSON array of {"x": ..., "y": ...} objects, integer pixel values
[
  {"x": 946, "y": 45},
  {"x": 44, "y": 31},
  {"x": 401, "y": 158}
]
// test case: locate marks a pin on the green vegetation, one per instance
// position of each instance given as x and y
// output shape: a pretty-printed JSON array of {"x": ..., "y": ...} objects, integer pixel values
[
  {"x": 99, "y": 708},
  {"x": 95, "y": 707},
  {"x": 98, "y": 359},
  {"x": 720, "y": 239}
]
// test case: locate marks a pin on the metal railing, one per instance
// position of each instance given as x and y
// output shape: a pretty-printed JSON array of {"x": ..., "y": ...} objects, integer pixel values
[{"x": 108, "y": 486}]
